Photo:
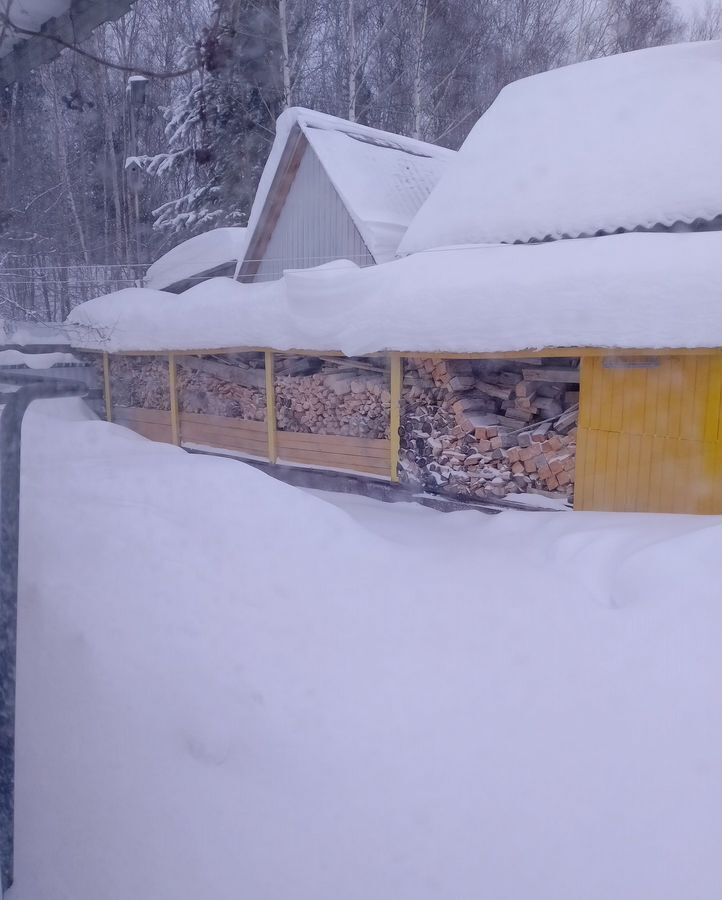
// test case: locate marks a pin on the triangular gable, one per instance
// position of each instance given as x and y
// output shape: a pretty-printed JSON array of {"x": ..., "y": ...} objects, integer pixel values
[{"x": 380, "y": 180}]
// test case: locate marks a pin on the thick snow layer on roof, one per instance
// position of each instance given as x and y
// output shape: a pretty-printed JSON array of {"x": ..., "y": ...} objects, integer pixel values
[
  {"x": 197, "y": 255},
  {"x": 630, "y": 290},
  {"x": 30, "y": 14},
  {"x": 382, "y": 178},
  {"x": 621, "y": 142}
]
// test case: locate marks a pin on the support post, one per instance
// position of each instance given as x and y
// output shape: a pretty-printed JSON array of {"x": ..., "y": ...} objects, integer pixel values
[
  {"x": 395, "y": 365},
  {"x": 106, "y": 388},
  {"x": 271, "y": 407},
  {"x": 173, "y": 388}
]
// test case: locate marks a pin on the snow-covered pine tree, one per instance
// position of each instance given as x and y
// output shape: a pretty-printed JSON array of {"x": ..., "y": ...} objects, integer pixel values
[{"x": 220, "y": 132}]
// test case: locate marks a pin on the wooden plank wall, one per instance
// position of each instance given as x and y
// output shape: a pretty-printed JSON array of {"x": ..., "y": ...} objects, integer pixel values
[
  {"x": 328, "y": 451},
  {"x": 223, "y": 433},
  {"x": 650, "y": 439},
  {"x": 154, "y": 424}
]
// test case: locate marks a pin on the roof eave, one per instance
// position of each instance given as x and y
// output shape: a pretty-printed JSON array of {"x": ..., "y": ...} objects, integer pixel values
[{"x": 70, "y": 28}]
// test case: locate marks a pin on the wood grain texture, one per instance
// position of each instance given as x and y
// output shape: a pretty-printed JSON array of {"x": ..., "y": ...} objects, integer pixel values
[{"x": 650, "y": 439}]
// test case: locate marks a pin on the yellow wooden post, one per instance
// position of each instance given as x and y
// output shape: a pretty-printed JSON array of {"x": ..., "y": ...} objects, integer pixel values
[
  {"x": 395, "y": 415},
  {"x": 106, "y": 388},
  {"x": 271, "y": 407},
  {"x": 173, "y": 388}
]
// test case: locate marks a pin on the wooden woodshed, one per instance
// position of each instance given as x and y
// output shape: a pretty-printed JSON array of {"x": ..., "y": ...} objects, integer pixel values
[{"x": 555, "y": 343}]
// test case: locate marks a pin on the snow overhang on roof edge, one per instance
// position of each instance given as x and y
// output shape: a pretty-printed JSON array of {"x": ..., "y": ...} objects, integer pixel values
[{"x": 73, "y": 26}]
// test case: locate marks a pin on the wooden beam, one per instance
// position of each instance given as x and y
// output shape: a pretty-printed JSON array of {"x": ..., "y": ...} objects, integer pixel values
[
  {"x": 106, "y": 388},
  {"x": 173, "y": 388},
  {"x": 395, "y": 365},
  {"x": 271, "y": 408}
]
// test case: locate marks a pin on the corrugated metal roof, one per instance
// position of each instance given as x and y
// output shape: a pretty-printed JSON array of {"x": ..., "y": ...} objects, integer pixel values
[{"x": 622, "y": 143}]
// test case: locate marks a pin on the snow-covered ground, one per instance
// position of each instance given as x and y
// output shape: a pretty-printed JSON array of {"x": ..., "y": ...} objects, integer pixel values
[{"x": 229, "y": 687}]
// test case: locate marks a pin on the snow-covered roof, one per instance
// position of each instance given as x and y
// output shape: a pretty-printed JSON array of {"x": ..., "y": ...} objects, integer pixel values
[
  {"x": 381, "y": 178},
  {"x": 196, "y": 256},
  {"x": 622, "y": 142},
  {"x": 60, "y": 17},
  {"x": 622, "y": 291},
  {"x": 30, "y": 14}
]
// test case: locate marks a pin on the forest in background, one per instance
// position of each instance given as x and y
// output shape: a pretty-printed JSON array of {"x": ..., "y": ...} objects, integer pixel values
[{"x": 98, "y": 177}]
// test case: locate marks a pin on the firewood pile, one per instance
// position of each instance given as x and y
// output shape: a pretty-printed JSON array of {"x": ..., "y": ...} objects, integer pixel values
[
  {"x": 341, "y": 397},
  {"x": 489, "y": 428},
  {"x": 231, "y": 386},
  {"x": 140, "y": 381}
]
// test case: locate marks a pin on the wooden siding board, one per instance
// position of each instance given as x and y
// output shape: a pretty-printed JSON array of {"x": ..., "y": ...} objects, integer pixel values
[
  {"x": 333, "y": 451},
  {"x": 678, "y": 390},
  {"x": 643, "y": 477},
  {"x": 698, "y": 400},
  {"x": 661, "y": 424},
  {"x": 313, "y": 226},
  {"x": 150, "y": 423},
  {"x": 714, "y": 396},
  {"x": 334, "y": 443}
]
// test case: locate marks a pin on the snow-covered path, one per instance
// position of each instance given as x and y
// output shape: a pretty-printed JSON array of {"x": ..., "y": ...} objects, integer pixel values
[{"x": 231, "y": 688}]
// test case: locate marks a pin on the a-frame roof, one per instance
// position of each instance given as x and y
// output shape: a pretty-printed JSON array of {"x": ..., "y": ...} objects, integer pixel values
[
  {"x": 61, "y": 22},
  {"x": 382, "y": 179}
]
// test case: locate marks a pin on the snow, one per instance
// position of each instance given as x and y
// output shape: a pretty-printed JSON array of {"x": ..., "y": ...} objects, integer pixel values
[
  {"x": 31, "y": 14},
  {"x": 382, "y": 178},
  {"x": 627, "y": 291},
  {"x": 197, "y": 255},
  {"x": 20, "y": 333},
  {"x": 336, "y": 698},
  {"x": 35, "y": 360},
  {"x": 620, "y": 142}
]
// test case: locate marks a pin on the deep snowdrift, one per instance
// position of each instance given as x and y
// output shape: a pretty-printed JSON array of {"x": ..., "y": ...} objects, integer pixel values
[
  {"x": 229, "y": 688},
  {"x": 619, "y": 142},
  {"x": 630, "y": 290}
]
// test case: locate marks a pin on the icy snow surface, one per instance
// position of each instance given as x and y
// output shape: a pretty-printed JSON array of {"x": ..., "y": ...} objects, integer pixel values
[
  {"x": 624, "y": 141},
  {"x": 197, "y": 255},
  {"x": 228, "y": 688},
  {"x": 382, "y": 178},
  {"x": 631, "y": 290}
]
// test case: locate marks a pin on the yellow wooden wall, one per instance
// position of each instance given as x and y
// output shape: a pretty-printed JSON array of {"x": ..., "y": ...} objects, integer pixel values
[{"x": 650, "y": 439}]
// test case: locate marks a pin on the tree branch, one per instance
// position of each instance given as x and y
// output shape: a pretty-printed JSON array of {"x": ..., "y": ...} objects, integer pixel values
[{"x": 135, "y": 70}]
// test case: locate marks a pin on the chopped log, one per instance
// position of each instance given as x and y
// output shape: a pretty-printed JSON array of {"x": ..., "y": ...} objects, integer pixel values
[
  {"x": 548, "y": 406},
  {"x": 566, "y": 376},
  {"x": 250, "y": 378},
  {"x": 567, "y": 420},
  {"x": 492, "y": 390},
  {"x": 460, "y": 383}
]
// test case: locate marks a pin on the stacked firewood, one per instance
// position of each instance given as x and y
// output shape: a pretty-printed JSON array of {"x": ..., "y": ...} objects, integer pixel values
[
  {"x": 140, "y": 381},
  {"x": 348, "y": 397},
  {"x": 490, "y": 428},
  {"x": 233, "y": 387}
]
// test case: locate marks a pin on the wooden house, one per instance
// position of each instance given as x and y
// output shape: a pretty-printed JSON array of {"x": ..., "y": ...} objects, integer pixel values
[
  {"x": 570, "y": 353},
  {"x": 334, "y": 189}
]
